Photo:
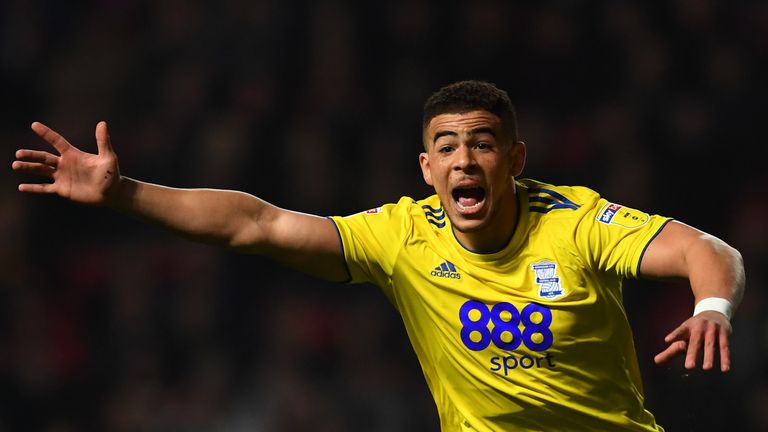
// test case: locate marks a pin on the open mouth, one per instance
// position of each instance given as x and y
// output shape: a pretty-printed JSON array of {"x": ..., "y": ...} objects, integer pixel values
[{"x": 469, "y": 199}]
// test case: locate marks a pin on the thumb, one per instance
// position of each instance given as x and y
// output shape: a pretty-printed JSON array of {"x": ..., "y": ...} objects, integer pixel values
[{"x": 102, "y": 138}]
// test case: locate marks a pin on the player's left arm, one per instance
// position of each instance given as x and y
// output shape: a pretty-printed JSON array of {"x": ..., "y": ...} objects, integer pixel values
[{"x": 714, "y": 269}]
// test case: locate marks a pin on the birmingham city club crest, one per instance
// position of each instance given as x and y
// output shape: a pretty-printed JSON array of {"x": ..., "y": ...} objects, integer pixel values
[{"x": 547, "y": 280}]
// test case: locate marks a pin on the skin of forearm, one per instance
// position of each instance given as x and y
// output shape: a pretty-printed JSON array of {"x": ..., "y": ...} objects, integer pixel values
[
  {"x": 220, "y": 217},
  {"x": 715, "y": 269}
]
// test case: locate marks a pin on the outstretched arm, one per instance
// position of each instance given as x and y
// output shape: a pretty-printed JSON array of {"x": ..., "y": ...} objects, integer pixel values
[
  {"x": 714, "y": 269},
  {"x": 228, "y": 218}
]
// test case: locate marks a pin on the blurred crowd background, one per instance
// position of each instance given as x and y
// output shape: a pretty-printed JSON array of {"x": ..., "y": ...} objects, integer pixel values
[{"x": 107, "y": 324}]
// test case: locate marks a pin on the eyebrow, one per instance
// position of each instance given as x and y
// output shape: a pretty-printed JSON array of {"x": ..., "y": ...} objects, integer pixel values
[{"x": 476, "y": 131}]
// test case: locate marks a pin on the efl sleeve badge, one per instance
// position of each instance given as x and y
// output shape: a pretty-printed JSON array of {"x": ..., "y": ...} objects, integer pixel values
[{"x": 616, "y": 214}]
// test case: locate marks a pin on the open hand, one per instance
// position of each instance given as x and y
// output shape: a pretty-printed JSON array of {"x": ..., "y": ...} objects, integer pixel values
[
  {"x": 79, "y": 176},
  {"x": 709, "y": 332}
]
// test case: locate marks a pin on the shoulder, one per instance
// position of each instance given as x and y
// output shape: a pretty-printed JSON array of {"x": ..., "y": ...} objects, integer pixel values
[
  {"x": 545, "y": 198},
  {"x": 400, "y": 213},
  {"x": 406, "y": 207},
  {"x": 424, "y": 215},
  {"x": 409, "y": 208}
]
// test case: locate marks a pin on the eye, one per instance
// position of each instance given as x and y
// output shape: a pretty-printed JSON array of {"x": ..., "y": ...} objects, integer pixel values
[
  {"x": 483, "y": 146},
  {"x": 445, "y": 149}
]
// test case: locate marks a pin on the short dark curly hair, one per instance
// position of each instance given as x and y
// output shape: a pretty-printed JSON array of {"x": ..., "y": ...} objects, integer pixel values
[{"x": 471, "y": 95}]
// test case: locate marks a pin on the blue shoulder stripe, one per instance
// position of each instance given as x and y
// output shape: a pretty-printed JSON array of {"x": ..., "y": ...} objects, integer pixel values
[
  {"x": 554, "y": 207},
  {"x": 542, "y": 200},
  {"x": 559, "y": 201},
  {"x": 435, "y": 223},
  {"x": 434, "y": 215},
  {"x": 558, "y": 205}
]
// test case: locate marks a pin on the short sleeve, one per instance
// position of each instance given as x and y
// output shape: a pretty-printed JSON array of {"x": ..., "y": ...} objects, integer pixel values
[
  {"x": 614, "y": 237},
  {"x": 372, "y": 240}
]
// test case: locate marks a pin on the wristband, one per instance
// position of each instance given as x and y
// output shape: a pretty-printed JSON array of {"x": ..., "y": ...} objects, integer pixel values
[{"x": 714, "y": 304}]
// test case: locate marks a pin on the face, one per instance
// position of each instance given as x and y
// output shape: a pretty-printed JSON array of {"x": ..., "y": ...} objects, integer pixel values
[{"x": 471, "y": 163}]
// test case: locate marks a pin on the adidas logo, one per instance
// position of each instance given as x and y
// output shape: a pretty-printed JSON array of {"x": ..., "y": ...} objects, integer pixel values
[{"x": 446, "y": 270}]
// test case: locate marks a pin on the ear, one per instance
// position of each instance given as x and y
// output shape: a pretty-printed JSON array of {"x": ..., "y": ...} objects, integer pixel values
[
  {"x": 424, "y": 163},
  {"x": 518, "y": 154}
]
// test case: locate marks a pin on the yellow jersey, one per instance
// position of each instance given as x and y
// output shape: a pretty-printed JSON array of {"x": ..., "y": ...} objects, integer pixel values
[{"x": 531, "y": 338}]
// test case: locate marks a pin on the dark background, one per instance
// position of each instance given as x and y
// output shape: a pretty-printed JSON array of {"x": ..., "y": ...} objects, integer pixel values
[{"x": 107, "y": 324}]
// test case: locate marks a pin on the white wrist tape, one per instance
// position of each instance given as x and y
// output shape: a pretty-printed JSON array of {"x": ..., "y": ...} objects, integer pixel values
[{"x": 714, "y": 304}]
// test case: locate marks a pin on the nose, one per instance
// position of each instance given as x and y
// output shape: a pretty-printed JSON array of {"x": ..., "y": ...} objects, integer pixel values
[{"x": 464, "y": 159}]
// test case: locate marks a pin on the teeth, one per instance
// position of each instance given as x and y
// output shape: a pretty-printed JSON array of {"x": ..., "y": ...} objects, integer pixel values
[{"x": 471, "y": 207}]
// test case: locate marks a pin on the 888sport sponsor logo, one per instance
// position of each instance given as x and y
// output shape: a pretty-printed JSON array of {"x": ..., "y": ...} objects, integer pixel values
[{"x": 507, "y": 328}]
